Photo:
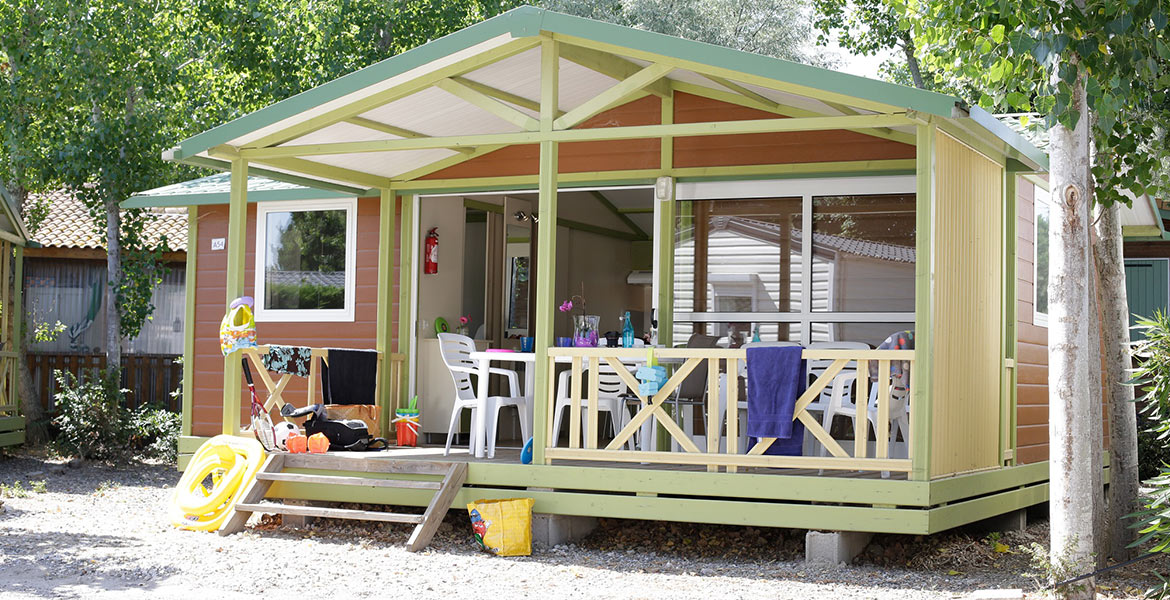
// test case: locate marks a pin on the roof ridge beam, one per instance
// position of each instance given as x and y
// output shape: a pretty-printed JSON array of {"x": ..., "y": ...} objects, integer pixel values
[
  {"x": 610, "y": 65},
  {"x": 487, "y": 103},
  {"x": 613, "y": 96},
  {"x": 821, "y": 123},
  {"x": 397, "y": 92},
  {"x": 395, "y": 130}
]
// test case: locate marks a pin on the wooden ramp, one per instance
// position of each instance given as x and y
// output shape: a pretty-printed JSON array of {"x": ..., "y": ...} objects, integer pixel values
[{"x": 454, "y": 475}]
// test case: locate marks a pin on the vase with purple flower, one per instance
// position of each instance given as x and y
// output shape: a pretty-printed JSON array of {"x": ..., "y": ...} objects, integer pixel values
[{"x": 585, "y": 327}]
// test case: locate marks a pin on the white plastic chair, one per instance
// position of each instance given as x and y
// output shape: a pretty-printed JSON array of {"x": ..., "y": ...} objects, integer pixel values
[
  {"x": 843, "y": 405},
  {"x": 456, "y": 351},
  {"x": 834, "y": 398},
  {"x": 611, "y": 391}
]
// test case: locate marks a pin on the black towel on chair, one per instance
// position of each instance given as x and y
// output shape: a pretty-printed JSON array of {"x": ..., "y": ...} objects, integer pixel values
[{"x": 351, "y": 377}]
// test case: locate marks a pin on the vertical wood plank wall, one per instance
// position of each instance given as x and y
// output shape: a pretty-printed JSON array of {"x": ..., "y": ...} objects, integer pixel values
[
  {"x": 968, "y": 310},
  {"x": 209, "y": 309}
]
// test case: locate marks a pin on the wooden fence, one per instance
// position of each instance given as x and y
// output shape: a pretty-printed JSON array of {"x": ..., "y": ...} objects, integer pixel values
[{"x": 150, "y": 378}]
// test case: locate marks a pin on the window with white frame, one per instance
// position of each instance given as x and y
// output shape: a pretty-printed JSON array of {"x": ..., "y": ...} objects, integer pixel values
[
  {"x": 305, "y": 259},
  {"x": 1040, "y": 260}
]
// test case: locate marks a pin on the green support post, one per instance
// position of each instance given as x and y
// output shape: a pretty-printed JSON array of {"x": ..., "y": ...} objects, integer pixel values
[
  {"x": 237, "y": 234},
  {"x": 920, "y": 422},
  {"x": 546, "y": 243},
  {"x": 385, "y": 304},
  {"x": 189, "y": 319},
  {"x": 1011, "y": 335},
  {"x": 406, "y": 250},
  {"x": 17, "y": 313}
]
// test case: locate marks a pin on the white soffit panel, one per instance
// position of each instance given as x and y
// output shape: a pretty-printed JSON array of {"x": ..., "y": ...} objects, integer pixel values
[
  {"x": 340, "y": 132},
  {"x": 433, "y": 112},
  {"x": 373, "y": 89},
  {"x": 384, "y": 164}
]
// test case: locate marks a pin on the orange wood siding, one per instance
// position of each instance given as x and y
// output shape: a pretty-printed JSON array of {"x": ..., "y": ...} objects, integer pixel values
[
  {"x": 705, "y": 151},
  {"x": 210, "y": 304},
  {"x": 1032, "y": 344}
]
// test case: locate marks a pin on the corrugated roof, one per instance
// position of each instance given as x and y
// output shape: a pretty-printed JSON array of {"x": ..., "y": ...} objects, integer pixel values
[
  {"x": 216, "y": 189},
  {"x": 68, "y": 224}
]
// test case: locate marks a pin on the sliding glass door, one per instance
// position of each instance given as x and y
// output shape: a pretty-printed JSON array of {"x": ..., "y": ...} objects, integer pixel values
[{"x": 805, "y": 261}]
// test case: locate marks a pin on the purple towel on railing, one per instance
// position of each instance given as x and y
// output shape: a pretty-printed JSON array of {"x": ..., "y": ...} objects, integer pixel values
[{"x": 775, "y": 380}]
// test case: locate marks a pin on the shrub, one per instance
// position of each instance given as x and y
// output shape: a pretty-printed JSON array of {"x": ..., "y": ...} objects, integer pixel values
[
  {"x": 1152, "y": 376},
  {"x": 92, "y": 420}
]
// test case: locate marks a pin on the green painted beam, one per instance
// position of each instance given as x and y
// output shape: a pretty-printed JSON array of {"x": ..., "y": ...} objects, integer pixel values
[
  {"x": 969, "y": 511},
  {"x": 612, "y": 66},
  {"x": 1011, "y": 306},
  {"x": 921, "y": 374},
  {"x": 190, "y": 283},
  {"x": 546, "y": 244},
  {"x": 780, "y": 109},
  {"x": 636, "y": 211},
  {"x": 407, "y": 246},
  {"x": 385, "y": 306},
  {"x": 1147, "y": 231},
  {"x": 236, "y": 255},
  {"x": 484, "y": 206},
  {"x": 11, "y": 438},
  {"x": 188, "y": 444},
  {"x": 393, "y": 130},
  {"x": 600, "y": 197},
  {"x": 487, "y": 103},
  {"x": 615, "y": 95},
  {"x": 444, "y": 163},
  {"x": 316, "y": 169},
  {"x": 18, "y": 312},
  {"x": 578, "y": 135},
  {"x": 605, "y": 231},
  {"x": 953, "y": 489},
  {"x": 510, "y": 98}
]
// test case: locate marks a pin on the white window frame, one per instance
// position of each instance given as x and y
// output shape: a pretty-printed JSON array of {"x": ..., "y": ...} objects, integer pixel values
[
  {"x": 345, "y": 314},
  {"x": 1039, "y": 196}
]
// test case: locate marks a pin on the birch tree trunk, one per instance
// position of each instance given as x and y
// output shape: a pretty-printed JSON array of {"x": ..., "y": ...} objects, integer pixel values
[
  {"x": 1123, "y": 464},
  {"x": 1097, "y": 408},
  {"x": 113, "y": 268},
  {"x": 1070, "y": 357}
]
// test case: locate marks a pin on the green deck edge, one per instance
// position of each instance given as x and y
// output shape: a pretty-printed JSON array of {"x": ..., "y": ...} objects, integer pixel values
[{"x": 11, "y": 438}]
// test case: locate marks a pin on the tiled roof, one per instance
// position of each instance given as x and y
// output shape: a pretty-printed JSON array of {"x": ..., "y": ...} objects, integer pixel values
[{"x": 69, "y": 225}]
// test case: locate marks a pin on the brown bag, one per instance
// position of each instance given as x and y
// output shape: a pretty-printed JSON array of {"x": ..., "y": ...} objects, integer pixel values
[{"x": 366, "y": 413}]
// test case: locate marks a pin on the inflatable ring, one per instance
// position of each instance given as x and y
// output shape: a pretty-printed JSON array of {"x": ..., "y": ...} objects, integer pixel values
[{"x": 232, "y": 463}]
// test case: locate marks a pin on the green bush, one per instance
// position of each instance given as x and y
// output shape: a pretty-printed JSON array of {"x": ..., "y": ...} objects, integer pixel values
[
  {"x": 92, "y": 420},
  {"x": 1153, "y": 379},
  {"x": 94, "y": 423},
  {"x": 304, "y": 296}
]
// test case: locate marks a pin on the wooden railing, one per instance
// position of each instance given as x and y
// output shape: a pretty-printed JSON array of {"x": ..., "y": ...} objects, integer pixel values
[
  {"x": 150, "y": 378},
  {"x": 728, "y": 455},
  {"x": 9, "y": 401}
]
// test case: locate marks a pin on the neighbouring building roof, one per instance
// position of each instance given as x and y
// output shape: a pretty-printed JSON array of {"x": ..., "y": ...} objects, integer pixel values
[
  {"x": 69, "y": 225},
  {"x": 216, "y": 189}
]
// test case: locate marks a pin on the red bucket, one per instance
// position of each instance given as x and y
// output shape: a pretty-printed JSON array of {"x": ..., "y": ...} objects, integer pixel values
[{"x": 406, "y": 427}]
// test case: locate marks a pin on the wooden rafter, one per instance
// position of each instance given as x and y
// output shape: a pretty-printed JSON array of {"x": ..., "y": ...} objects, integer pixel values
[
  {"x": 611, "y": 66},
  {"x": 483, "y": 101},
  {"x": 395, "y": 130}
]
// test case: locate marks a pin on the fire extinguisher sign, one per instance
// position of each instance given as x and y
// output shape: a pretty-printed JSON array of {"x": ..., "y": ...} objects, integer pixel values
[{"x": 431, "y": 252}]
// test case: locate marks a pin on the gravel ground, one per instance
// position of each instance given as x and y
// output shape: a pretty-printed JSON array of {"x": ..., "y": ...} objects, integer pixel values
[{"x": 100, "y": 532}]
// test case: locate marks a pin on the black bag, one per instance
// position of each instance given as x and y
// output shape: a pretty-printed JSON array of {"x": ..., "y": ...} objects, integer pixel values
[{"x": 343, "y": 434}]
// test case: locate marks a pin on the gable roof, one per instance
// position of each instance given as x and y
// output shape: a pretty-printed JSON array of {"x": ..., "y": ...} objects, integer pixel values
[
  {"x": 395, "y": 98},
  {"x": 68, "y": 225},
  {"x": 12, "y": 226}
]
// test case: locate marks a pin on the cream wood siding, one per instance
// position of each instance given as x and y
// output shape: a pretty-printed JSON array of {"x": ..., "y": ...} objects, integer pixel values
[{"x": 968, "y": 311}]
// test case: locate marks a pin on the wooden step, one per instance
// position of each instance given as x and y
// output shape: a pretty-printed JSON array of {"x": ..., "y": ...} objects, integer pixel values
[
  {"x": 330, "y": 513},
  {"x": 354, "y": 481}
]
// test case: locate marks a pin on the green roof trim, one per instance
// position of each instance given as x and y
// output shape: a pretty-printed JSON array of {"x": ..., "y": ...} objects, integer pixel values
[
  {"x": 216, "y": 189},
  {"x": 528, "y": 21}
]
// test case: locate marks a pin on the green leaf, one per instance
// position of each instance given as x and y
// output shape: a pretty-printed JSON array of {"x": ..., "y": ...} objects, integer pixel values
[{"x": 997, "y": 34}]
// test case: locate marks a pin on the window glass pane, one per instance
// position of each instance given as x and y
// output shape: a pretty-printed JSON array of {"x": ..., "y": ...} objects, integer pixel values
[
  {"x": 870, "y": 333},
  {"x": 1041, "y": 286},
  {"x": 738, "y": 256},
  {"x": 736, "y": 334},
  {"x": 863, "y": 253},
  {"x": 304, "y": 260}
]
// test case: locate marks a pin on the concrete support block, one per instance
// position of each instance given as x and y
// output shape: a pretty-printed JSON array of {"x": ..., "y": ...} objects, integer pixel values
[
  {"x": 834, "y": 547},
  {"x": 1016, "y": 520},
  {"x": 554, "y": 530}
]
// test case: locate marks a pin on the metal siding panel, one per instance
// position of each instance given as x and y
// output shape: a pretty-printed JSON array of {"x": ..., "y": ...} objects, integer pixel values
[
  {"x": 1146, "y": 289},
  {"x": 969, "y": 311}
]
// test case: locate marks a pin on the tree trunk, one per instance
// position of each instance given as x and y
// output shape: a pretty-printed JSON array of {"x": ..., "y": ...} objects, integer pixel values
[
  {"x": 1096, "y": 406},
  {"x": 912, "y": 60},
  {"x": 113, "y": 268},
  {"x": 1071, "y": 412},
  {"x": 1123, "y": 464}
]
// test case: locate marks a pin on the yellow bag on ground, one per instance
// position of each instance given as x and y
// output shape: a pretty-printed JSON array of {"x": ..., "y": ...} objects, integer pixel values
[{"x": 503, "y": 527}]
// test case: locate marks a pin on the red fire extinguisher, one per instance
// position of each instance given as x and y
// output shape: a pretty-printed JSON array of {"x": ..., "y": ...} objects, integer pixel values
[{"x": 431, "y": 252}]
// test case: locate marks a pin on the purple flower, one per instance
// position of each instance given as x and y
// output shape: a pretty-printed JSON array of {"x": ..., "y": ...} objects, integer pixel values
[{"x": 566, "y": 306}]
